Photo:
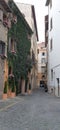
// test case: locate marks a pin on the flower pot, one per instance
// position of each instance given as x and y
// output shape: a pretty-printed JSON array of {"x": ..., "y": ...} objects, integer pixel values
[
  {"x": 4, "y": 96},
  {"x": 12, "y": 94},
  {"x": 9, "y": 93},
  {"x": 29, "y": 91}
]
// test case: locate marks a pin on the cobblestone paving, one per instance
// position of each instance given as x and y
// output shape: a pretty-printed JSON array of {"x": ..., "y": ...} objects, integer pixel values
[{"x": 38, "y": 111}]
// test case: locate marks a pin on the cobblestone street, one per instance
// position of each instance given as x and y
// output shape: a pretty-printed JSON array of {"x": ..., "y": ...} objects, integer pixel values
[{"x": 38, "y": 111}]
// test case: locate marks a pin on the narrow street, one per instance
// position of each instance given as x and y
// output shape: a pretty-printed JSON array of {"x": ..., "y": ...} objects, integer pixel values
[{"x": 38, "y": 111}]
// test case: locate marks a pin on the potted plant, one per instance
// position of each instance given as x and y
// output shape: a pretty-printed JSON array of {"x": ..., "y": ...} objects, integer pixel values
[
  {"x": 13, "y": 89},
  {"x": 11, "y": 82},
  {"x": 5, "y": 90},
  {"x": 22, "y": 85},
  {"x": 29, "y": 91},
  {"x": 29, "y": 82}
]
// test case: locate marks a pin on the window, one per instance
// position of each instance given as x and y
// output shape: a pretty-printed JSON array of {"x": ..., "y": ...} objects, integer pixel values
[
  {"x": 2, "y": 48},
  {"x": 10, "y": 70},
  {"x": 43, "y": 53},
  {"x": 51, "y": 42},
  {"x": 43, "y": 76},
  {"x": 51, "y": 74},
  {"x": 50, "y": 3},
  {"x": 12, "y": 45},
  {"x": 43, "y": 69},
  {"x": 37, "y": 51},
  {"x": 43, "y": 60},
  {"x": 51, "y": 24},
  {"x": 46, "y": 25}
]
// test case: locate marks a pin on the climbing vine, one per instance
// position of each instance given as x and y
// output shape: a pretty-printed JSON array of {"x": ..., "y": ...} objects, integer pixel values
[{"x": 20, "y": 32}]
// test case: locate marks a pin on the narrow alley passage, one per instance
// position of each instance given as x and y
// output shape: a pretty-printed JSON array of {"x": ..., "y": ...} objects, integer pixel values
[{"x": 38, "y": 111}]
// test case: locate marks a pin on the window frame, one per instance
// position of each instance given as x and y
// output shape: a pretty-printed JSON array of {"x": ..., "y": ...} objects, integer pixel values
[{"x": 12, "y": 45}]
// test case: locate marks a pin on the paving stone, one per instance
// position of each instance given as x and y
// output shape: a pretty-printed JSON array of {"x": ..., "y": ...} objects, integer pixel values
[{"x": 38, "y": 111}]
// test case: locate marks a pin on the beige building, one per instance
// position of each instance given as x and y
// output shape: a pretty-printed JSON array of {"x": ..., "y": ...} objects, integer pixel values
[
  {"x": 28, "y": 12},
  {"x": 42, "y": 57},
  {"x": 4, "y": 26}
]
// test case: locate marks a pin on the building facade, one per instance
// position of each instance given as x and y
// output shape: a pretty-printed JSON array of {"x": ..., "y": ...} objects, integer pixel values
[
  {"x": 28, "y": 12},
  {"x": 9, "y": 36},
  {"x": 4, "y": 26},
  {"x": 42, "y": 57},
  {"x": 53, "y": 46}
]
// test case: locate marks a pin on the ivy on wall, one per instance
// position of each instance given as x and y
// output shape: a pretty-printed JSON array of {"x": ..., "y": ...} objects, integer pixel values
[{"x": 20, "y": 32}]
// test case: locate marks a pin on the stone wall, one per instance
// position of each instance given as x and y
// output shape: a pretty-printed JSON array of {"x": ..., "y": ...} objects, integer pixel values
[{"x": 3, "y": 33}]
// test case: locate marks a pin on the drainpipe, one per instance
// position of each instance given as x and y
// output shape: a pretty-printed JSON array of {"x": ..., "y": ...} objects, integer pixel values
[
  {"x": 58, "y": 85},
  {"x": 54, "y": 83}
]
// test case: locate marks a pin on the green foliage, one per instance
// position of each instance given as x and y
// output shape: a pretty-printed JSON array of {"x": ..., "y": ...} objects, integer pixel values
[
  {"x": 5, "y": 87},
  {"x": 13, "y": 86},
  {"x": 11, "y": 82},
  {"x": 19, "y": 32}
]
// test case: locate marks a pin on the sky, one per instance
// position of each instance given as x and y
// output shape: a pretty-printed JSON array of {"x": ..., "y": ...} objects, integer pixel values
[{"x": 40, "y": 11}]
